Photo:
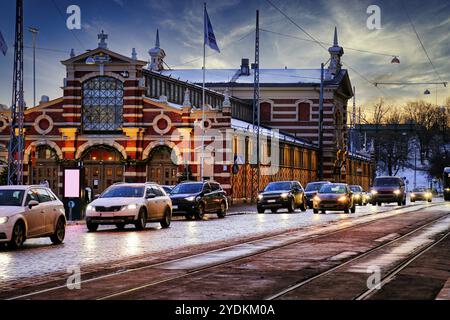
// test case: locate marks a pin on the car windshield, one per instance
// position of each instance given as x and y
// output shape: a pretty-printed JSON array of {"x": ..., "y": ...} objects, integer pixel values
[
  {"x": 11, "y": 198},
  {"x": 278, "y": 186},
  {"x": 386, "y": 182},
  {"x": 314, "y": 186},
  {"x": 356, "y": 188},
  {"x": 420, "y": 190},
  {"x": 187, "y": 188},
  {"x": 331, "y": 188},
  {"x": 124, "y": 192}
]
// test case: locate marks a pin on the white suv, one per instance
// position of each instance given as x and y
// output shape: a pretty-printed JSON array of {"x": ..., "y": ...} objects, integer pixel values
[
  {"x": 30, "y": 212},
  {"x": 130, "y": 203}
]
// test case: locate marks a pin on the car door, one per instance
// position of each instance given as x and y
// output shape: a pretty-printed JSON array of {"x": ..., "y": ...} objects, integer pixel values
[
  {"x": 297, "y": 191},
  {"x": 207, "y": 196},
  {"x": 35, "y": 215},
  {"x": 160, "y": 201},
  {"x": 215, "y": 196},
  {"x": 152, "y": 204},
  {"x": 47, "y": 217},
  {"x": 52, "y": 212}
]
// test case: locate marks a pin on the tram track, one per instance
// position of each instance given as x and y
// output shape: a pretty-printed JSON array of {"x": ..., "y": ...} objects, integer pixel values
[{"x": 118, "y": 294}]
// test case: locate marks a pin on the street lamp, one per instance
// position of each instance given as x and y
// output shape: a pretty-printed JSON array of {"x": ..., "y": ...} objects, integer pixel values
[
  {"x": 395, "y": 60},
  {"x": 34, "y": 32}
]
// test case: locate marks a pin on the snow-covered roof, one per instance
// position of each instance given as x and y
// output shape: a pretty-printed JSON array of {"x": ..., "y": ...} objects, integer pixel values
[
  {"x": 268, "y": 76},
  {"x": 248, "y": 127},
  {"x": 359, "y": 156},
  {"x": 170, "y": 104}
]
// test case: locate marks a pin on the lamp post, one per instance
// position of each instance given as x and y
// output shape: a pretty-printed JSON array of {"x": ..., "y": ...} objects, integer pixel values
[
  {"x": 34, "y": 32},
  {"x": 321, "y": 122}
]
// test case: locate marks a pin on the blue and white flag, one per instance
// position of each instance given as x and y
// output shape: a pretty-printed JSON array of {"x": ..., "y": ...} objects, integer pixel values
[
  {"x": 210, "y": 38},
  {"x": 3, "y": 46}
]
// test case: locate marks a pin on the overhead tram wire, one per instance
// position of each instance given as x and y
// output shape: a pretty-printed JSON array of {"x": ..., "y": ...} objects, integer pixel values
[
  {"x": 321, "y": 44},
  {"x": 420, "y": 40}
]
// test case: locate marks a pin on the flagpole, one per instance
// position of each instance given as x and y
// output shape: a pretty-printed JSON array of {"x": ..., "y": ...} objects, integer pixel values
[{"x": 202, "y": 163}]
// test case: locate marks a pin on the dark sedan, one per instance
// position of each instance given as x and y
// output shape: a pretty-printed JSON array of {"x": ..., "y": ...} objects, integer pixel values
[
  {"x": 421, "y": 194},
  {"x": 359, "y": 195},
  {"x": 284, "y": 194},
  {"x": 311, "y": 191},
  {"x": 334, "y": 197},
  {"x": 195, "y": 199}
]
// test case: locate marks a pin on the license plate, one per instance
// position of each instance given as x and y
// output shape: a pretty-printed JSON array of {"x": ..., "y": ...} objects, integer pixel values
[
  {"x": 107, "y": 215},
  {"x": 270, "y": 201},
  {"x": 174, "y": 207}
]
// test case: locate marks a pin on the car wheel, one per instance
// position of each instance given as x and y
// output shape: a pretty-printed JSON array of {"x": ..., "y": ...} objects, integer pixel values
[
  {"x": 92, "y": 227},
  {"x": 60, "y": 232},
  {"x": 429, "y": 200},
  {"x": 353, "y": 209},
  {"x": 315, "y": 211},
  {"x": 404, "y": 202},
  {"x": 260, "y": 210},
  {"x": 165, "y": 223},
  {"x": 324, "y": 212},
  {"x": 274, "y": 210},
  {"x": 399, "y": 203},
  {"x": 223, "y": 210},
  {"x": 142, "y": 220},
  {"x": 120, "y": 226},
  {"x": 412, "y": 201},
  {"x": 291, "y": 207},
  {"x": 346, "y": 211},
  {"x": 200, "y": 214},
  {"x": 189, "y": 216},
  {"x": 303, "y": 206},
  {"x": 379, "y": 204},
  {"x": 18, "y": 235}
]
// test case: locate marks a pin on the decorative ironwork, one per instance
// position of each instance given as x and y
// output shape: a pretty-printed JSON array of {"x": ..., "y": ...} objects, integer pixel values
[{"x": 102, "y": 104}]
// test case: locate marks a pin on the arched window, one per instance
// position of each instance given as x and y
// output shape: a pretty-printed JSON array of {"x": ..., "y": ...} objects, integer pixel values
[{"x": 102, "y": 104}]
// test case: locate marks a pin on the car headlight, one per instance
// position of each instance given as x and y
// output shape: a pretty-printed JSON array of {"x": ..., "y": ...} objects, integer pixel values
[
  {"x": 343, "y": 199},
  {"x": 413, "y": 195},
  {"x": 190, "y": 199},
  {"x": 89, "y": 208},
  {"x": 357, "y": 196},
  {"x": 397, "y": 192},
  {"x": 260, "y": 197},
  {"x": 3, "y": 220},
  {"x": 130, "y": 207},
  {"x": 428, "y": 195},
  {"x": 284, "y": 195},
  {"x": 374, "y": 192},
  {"x": 316, "y": 198},
  {"x": 447, "y": 189}
]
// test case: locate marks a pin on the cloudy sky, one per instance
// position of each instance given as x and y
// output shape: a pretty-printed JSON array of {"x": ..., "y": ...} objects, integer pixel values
[{"x": 132, "y": 23}]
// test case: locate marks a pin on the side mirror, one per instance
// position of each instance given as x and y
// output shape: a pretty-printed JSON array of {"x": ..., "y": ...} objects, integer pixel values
[
  {"x": 96, "y": 196},
  {"x": 32, "y": 203},
  {"x": 151, "y": 196}
]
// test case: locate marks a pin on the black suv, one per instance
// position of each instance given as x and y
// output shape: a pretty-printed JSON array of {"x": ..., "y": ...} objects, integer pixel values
[
  {"x": 387, "y": 190},
  {"x": 195, "y": 199},
  {"x": 283, "y": 194}
]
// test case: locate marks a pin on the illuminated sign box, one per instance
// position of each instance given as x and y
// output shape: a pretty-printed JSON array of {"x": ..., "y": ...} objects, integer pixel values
[{"x": 72, "y": 183}]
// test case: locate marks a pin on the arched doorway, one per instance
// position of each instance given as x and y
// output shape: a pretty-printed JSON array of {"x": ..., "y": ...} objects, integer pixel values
[
  {"x": 103, "y": 167},
  {"x": 160, "y": 167},
  {"x": 45, "y": 168}
]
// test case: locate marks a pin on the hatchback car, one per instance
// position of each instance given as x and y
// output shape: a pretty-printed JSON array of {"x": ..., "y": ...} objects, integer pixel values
[
  {"x": 334, "y": 197},
  {"x": 359, "y": 195},
  {"x": 283, "y": 194},
  {"x": 195, "y": 199},
  {"x": 130, "y": 203},
  {"x": 421, "y": 194},
  {"x": 388, "y": 190},
  {"x": 311, "y": 191},
  {"x": 30, "y": 212}
]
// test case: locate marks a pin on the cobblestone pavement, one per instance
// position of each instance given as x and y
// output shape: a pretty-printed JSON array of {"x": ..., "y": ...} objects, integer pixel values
[{"x": 38, "y": 257}]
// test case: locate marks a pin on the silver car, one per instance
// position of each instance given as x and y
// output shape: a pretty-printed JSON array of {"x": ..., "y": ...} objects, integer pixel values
[
  {"x": 30, "y": 212},
  {"x": 130, "y": 203}
]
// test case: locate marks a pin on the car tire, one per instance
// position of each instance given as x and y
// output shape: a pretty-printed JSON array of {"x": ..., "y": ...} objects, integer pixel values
[
  {"x": 60, "y": 232},
  {"x": 120, "y": 226},
  {"x": 200, "y": 214},
  {"x": 17, "y": 236},
  {"x": 260, "y": 210},
  {"x": 430, "y": 200},
  {"x": 303, "y": 206},
  {"x": 291, "y": 207},
  {"x": 92, "y": 227},
  {"x": 189, "y": 216},
  {"x": 404, "y": 202},
  {"x": 315, "y": 211},
  {"x": 324, "y": 212},
  {"x": 142, "y": 220},
  {"x": 165, "y": 222},
  {"x": 346, "y": 211},
  {"x": 412, "y": 201},
  {"x": 274, "y": 210},
  {"x": 399, "y": 203},
  {"x": 222, "y": 211},
  {"x": 379, "y": 204},
  {"x": 353, "y": 209}
]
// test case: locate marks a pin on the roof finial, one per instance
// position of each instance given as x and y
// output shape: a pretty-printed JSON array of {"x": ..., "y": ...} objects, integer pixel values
[
  {"x": 134, "y": 54},
  {"x": 102, "y": 37},
  {"x": 335, "y": 42},
  {"x": 72, "y": 53},
  {"x": 157, "y": 39},
  {"x": 187, "y": 98}
]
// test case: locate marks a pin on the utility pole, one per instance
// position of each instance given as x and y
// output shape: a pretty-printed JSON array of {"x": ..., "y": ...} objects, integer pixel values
[
  {"x": 34, "y": 32},
  {"x": 256, "y": 172},
  {"x": 321, "y": 123},
  {"x": 16, "y": 141}
]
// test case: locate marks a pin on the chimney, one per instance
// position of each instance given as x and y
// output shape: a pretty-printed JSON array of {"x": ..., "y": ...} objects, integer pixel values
[
  {"x": 245, "y": 67},
  {"x": 44, "y": 99}
]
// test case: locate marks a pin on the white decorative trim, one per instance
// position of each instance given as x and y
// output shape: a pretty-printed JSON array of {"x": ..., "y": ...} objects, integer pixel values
[
  {"x": 176, "y": 154},
  {"x": 43, "y": 142},
  {"x": 155, "y": 124},
  {"x": 100, "y": 142},
  {"x": 39, "y": 129}
]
